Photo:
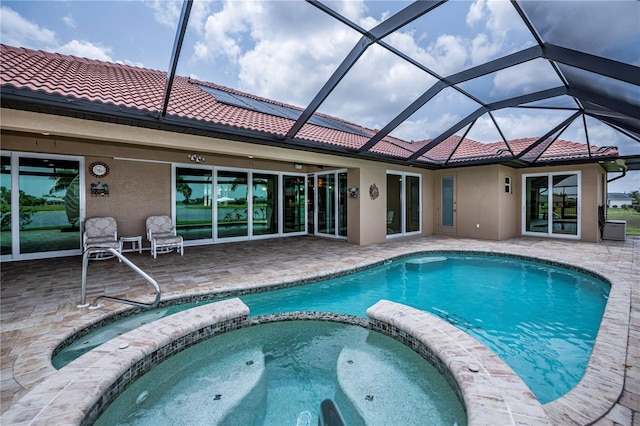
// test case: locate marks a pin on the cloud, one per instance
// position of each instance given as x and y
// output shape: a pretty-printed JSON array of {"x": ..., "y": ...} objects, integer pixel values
[
  {"x": 69, "y": 21},
  {"x": 17, "y": 31},
  {"x": 166, "y": 12},
  {"x": 85, "y": 49},
  {"x": 524, "y": 78},
  {"x": 280, "y": 50},
  {"x": 517, "y": 123}
]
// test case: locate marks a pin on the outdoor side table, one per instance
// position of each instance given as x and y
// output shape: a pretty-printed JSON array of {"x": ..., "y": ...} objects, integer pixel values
[{"x": 136, "y": 242}]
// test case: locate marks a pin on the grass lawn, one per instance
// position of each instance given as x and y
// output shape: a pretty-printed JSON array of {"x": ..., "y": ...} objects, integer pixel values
[{"x": 632, "y": 217}]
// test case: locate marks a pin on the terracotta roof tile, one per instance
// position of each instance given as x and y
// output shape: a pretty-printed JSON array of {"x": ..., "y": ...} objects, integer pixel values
[{"x": 143, "y": 89}]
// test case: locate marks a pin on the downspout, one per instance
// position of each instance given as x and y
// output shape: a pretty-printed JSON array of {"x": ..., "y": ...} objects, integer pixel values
[{"x": 624, "y": 173}]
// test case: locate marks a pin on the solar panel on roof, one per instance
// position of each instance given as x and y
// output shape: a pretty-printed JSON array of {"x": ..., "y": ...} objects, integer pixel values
[{"x": 278, "y": 110}]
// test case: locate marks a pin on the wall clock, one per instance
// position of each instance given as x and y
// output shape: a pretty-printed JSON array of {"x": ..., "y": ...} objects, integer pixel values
[{"x": 99, "y": 169}]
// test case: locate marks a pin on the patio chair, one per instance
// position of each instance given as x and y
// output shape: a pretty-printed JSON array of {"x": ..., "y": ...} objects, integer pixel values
[
  {"x": 100, "y": 232},
  {"x": 162, "y": 235}
]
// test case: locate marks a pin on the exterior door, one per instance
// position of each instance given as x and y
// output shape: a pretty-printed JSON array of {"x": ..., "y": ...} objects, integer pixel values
[
  {"x": 551, "y": 204},
  {"x": 41, "y": 205},
  {"x": 194, "y": 213},
  {"x": 330, "y": 205},
  {"x": 448, "y": 204}
]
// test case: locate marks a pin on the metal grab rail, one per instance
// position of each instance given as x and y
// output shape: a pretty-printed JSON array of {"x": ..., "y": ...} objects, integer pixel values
[
  {"x": 85, "y": 265},
  {"x": 330, "y": 414}
]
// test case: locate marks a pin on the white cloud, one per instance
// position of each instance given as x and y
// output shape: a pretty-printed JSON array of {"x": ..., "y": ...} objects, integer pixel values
[
  {"x": 69, "y": 21},
  {"x": 19, "y": 32},
  {"x": 517, "y": 124},
  {"x": 166, "y": 12},
  {"x": 85, "y": 49},
  {"x": 423, "y": 127},
  {"x": 280, "y": 50},
  {"x": 525, "y": 78}
]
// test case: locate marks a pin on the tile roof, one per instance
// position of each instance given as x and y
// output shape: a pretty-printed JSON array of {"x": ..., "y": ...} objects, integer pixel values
[{"x": 105, "y": 83}]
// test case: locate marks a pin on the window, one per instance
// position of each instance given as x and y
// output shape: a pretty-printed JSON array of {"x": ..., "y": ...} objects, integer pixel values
[{"x": 507, "y": 184}]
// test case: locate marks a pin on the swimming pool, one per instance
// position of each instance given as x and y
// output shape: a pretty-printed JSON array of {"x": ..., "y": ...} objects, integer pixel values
[
  {"x": 279, "y": 373},
  {"x": 541, "y": 319}
]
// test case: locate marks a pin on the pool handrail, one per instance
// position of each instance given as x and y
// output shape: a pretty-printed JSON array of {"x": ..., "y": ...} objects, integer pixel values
[
  {"x": 94, "y": 305},
  {"x": 330, "y": 414}
]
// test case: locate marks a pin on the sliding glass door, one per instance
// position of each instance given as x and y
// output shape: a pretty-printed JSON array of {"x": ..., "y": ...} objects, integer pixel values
[
  {"x": 294, "y": 204},
  {"x": 552, "y": 204},
  {"x": 5, "y": 207},
  {"x": 40, "y": 205},
  {"x": 194, "y": 220},
  {"x": 330, "y": 194},
  {"x": 265, "y": 204},
  {"x": 404, "y": 203},
  {"x": 232, "y": 195}
]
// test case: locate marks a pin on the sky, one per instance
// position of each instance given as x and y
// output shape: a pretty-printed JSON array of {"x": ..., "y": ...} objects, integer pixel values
[{"x": 286, "y": 50}]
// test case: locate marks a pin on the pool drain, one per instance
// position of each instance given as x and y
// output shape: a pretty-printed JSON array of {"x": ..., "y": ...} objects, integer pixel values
[
  {"x": 369, "y": 397},
  {"x": 218, "y": 397}
]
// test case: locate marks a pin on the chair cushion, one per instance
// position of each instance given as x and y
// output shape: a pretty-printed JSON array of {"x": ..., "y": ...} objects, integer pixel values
[
  {"x": 168, "y": 240},
  {"x": 100, "y": 227},
  {"x": 103, "y": 244},
  {"x": 159, "y": 224}
]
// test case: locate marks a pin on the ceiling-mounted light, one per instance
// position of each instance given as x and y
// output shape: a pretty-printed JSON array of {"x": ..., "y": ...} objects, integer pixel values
[{"x": 298, "y": 166}]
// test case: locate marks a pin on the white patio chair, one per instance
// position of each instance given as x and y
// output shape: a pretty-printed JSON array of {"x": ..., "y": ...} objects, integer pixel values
[
  {"x": 100, "y": 232},
  {"x": 162, "y": 235}
]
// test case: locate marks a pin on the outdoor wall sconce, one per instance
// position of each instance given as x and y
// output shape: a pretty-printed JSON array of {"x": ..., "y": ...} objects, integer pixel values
[
  {"x": 196, "y": 158},
  {"x": 353, "y": 192},
  {"x": 99, "y": 190}
]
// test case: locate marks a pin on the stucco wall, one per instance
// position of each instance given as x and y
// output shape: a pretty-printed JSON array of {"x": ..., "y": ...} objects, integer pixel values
[{"x": 140, "y": 177}]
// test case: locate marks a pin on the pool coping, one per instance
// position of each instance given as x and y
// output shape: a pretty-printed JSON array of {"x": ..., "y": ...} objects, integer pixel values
[{"x": 591, "y": 399}]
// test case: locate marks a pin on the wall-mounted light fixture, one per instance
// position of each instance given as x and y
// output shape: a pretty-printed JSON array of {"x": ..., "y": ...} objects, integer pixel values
[
  {"x": 298, "y": 166},
  {"x": 196, "y": 158},
  {"x": 99, "y": 190},
  {"x": 353, "y": 192}
]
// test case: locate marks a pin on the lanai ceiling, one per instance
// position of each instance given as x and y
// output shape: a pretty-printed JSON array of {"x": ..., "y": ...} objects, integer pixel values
[{"x": 571, "y": 65}]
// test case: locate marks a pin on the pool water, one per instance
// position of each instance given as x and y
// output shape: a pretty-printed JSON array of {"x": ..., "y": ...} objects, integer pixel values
[
  {"x": 540, "y": 319},
  {"x": 279, "y": 373}
]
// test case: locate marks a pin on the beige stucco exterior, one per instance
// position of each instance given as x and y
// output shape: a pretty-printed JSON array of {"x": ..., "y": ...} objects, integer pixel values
[{"x": 140, "y": 178}]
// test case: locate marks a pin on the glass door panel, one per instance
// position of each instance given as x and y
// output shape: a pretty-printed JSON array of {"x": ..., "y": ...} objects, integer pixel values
[
  {"x": 564, "y": 219},
  {"x": 5, "y": 206},
  {"x": 342, "y": 204},
  {"x": 193, "y": 203},
  {"x": 325, "y": 190},
  {"x": 537, "y": 204},
  {"x": 294, "y": 204},
  {"x": 412, "y": 197},
  {"x": 394, "y": 204},
  {"x": 448, "y": 201},
  {"x": 49, "y": 204},
  {"x": 265, "y": 204},
  {"x": 232, "y": 193}
]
